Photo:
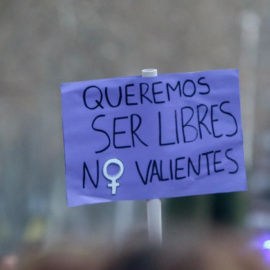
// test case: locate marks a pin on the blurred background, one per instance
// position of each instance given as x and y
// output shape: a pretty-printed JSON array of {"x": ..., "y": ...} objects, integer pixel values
[{"x": 45, "y": 43}]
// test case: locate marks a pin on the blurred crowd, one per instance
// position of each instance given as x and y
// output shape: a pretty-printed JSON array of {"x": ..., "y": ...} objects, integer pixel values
[{"x": 189, "y": 251}]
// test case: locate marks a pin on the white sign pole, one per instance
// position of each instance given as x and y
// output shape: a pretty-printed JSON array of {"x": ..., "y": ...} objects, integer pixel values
[{"x": 153, "y": 206}]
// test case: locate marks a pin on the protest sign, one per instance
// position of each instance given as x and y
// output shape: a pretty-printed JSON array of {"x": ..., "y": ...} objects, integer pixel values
[{"x": 135, "y": 138}]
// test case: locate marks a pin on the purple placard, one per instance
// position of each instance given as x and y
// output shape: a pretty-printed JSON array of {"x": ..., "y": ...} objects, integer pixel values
[{"x": 135, "y": 138}]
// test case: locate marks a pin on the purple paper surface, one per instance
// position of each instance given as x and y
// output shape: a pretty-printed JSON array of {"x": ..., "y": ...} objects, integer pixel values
[{"x": 135, "y": 138}]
